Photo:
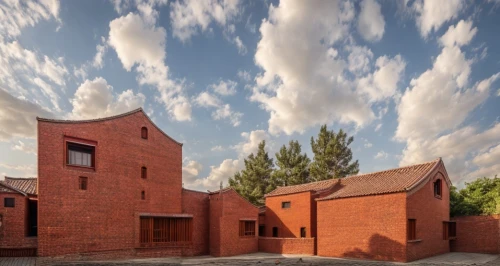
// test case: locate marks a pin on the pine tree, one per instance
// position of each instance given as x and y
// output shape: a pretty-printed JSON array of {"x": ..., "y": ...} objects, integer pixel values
[
  {"x": 332, "y": 155},
  {"x": 255, "y": 180},
  {"x": 292, "y": 166}
]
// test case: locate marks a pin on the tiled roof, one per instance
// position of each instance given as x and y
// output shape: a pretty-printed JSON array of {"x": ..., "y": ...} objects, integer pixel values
[
  {"x": 26, "y": 185},
  {"x": 314, "y": 186},
  {"x": 106, "y": 119},
  {"x": 388, "y": 181}
]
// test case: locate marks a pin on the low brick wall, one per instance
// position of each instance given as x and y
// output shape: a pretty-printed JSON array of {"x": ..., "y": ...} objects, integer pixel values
[
  {"x": 477, "y": 234},
  {"x": 287, "y": 245}
]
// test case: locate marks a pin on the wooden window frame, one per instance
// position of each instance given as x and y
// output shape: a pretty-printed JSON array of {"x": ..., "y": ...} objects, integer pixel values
[
  {"x": 165, "y": 231},
  {"x": 286, "y": 204},
  {"x": 83, "y": 182},
  {"x": 144, "y": 133},
  {"x": 412, "y": 230},
  {"x": 247, "y": 228},
  {"x": 438, "y": 188},
  {"x": 11, "y": 204},
  {"x": 84, "y": 146}
]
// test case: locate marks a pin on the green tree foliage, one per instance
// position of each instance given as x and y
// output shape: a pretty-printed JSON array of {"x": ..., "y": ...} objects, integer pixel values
[
  {"x": 255, "y": 180},
  {"x": 332, "y": 155},
  {"x": 292, "y": 165},
  {"x": 481, "y": 197}
]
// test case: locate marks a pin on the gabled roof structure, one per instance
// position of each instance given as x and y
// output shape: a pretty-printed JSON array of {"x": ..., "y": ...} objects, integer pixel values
[{"x": 25, "y": 186}]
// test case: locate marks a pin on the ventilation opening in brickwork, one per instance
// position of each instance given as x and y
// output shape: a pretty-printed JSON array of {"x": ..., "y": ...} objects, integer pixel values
[
  {"x": 144, "y": 133},
  {"x": 302, "y": 232},
  {"x": 158, "y": 231},
  {"x": 82, "y": 183},
  {"x": 143, "y": 195},
  {"x": 144, "y": 172},
  {"x": 247, "y": 228}
]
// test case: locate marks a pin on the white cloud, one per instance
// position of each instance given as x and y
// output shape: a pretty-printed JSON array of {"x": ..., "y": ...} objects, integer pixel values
[
  {"x": 242, "y": 49},
  {"x": 98, "y": 61},
  {"x": 367, "y": 144},
  {"x": 381, "y": 155},
  {"x": 303, "y": 84},
  {"x": 190, "y": 16},
  {"x": 371, "y": 22},
  {"x": 377, "y": 128},
  {"x": 460, "y": 35},
  {"x": 217, "y": 148},
  {"x": 27, "y": 170},
  {"x": 227, "y": 87},
  {"x": 27, "y": 148},
  {"x": 431, "y": 15},
  {"x": 137, "y": 41},
  {"x": 250, "y": 143},
  {"x": 359, "y": 59},
  {"x": 492, "y": 156},
  {"x": 18, "y": 117},
  {"x": 383, "y": 83},
  {"x": 222, "y": 111},
  {"x": 190, "y": 172},
  {"x": 244, "y": 75},
  {"x": 95, "y": 98},
  {"x": 16, "y": 15}
]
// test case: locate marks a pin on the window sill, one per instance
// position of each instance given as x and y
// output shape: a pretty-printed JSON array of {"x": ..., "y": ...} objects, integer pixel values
[
  {"x": 80, "y": 167},
  {"x": 438, "y": 197},
  {"x": 414, "y": 241}
]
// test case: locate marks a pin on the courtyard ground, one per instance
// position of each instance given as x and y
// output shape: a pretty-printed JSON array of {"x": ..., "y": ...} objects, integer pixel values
[{"x": 266, "y": 259}]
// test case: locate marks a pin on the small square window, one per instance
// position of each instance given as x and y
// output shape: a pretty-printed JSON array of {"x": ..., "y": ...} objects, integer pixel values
[
  {"x": 286, "y": 205},
  {"x": 83, "y": 183},
  {"x": 9, "y": 202}
]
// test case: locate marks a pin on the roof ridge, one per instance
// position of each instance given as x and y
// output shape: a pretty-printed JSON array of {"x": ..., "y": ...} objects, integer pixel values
[
  {"x": 392, "y": 169},
  {"x": 106, "y": 119},
  {"x": 19, "y": 178},
  {"x": 326, "y": 180}
]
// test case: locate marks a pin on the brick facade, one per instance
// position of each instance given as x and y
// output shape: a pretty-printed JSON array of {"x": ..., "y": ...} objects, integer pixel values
[
  {"x": 477, "y": 234},
  {"x": 287, "y": 245},
  {"x": 13, "y": 228}
]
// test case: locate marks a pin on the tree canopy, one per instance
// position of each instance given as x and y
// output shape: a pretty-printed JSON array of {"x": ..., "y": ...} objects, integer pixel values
[
  {"x": 332, "y": 155},
  {"x": 293, "y": 167},
  {"x": 255, "y": 180},
  {"x": 480, "y": 197}
]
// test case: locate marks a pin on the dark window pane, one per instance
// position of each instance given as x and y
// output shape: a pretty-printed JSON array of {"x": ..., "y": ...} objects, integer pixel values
[
  {"x": 9, "y": 202},
  {"x": 80, "y": 155},
  {"x": 286, "y": 204},
  {"x": 302, "y": 232},
  {"x": 275, "y": 231}
]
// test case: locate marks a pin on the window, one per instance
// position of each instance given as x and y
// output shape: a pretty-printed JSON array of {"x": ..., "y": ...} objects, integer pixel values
[
  {"x": 143, "y": 195},
  {"x": 302, "y": 232},
  {"x": 144, "y": 172},
  {"x": 262, "y": 230},
  {"x": 449, "y": 230},
  {"x": 144, "y": 132},
  {"x": 275, "y": 231},
  {"x": 437, "y": 188},
  {"x": 80, "y": 155},
  {"x": 412, "y": 229},
  {"x": 165, "y": 230},
  {"x": 247, "y": 228},
  {"x": 9, "y": 202},
  {"x": 82, "y": 184},
  {"x": 286, "y": 205}
]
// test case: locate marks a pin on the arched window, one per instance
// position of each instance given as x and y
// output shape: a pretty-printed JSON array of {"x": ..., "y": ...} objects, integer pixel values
[
  {"x": 144, "y": 172},
  {"x": 144, "y": 132},
  {"x": 438, "y": 188}
]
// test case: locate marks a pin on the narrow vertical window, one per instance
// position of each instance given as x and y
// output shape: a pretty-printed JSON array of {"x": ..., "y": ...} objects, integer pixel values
[
  {"x": 144, "y": 132},
  {"x": 144, "y": 172},
  {"x": 82, "y": 183},
  {"x": 438, "y": 188},
  {"x": 143, "y": 195},
  {"x": 262, "y": 230},
  {"x": 302, "y": 232},
  {"x": 412, "y": 229},
  {"x": 275, "y": 231}
]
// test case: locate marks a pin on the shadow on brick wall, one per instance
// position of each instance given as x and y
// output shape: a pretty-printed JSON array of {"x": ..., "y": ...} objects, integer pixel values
[{"x": 380, "y": 248}]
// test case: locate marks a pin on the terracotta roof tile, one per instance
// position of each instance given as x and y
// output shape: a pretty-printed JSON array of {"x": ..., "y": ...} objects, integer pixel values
[
  {"x": 388, "y": 181},
  {"x": 26, "y": 185},
  {"x": 313, "y": 186}
]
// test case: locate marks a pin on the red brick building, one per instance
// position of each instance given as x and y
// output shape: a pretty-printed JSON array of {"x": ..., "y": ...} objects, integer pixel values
[{"x": 112, "y": 187}]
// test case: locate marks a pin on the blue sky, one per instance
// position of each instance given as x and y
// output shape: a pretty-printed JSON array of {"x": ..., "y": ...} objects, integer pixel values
[{"x": 410, "y": 80}]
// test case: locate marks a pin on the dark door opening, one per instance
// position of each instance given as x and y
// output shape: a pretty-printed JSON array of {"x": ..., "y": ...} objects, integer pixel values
[
  {"x": 262, "y": 230},
  {"x": 275, "y": 231},
  {"x": 32, "y": 223}
]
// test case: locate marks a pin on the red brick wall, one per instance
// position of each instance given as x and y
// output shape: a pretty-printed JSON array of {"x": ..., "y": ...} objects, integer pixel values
[
  {"x": 371, "y": 227},
  {"x": 286, "y": 245},
  {"x": 477, "y": 234},
  {"x": 226, "y": 211},
  {"x": 14, "y": 223},
  {"x": 106, "y": 216},
  {"x": 290, "y": 220},
  {"x": 197, "y": 204},
  {"x": 430, "y": 213}
]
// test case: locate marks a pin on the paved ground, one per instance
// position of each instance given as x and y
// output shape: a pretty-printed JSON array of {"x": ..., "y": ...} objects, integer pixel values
[{"x": 269, "y": 259}]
